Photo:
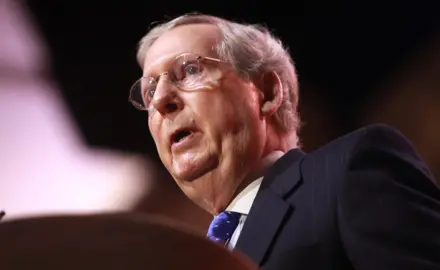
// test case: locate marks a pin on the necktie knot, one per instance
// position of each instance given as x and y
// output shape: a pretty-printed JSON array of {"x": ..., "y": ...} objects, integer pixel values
[{"x": 223, "y": 226}]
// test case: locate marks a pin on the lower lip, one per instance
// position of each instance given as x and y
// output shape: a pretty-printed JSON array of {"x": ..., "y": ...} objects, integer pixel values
[{"x": 186, "y": 142}]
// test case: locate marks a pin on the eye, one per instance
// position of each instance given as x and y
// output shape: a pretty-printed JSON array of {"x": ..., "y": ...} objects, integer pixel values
[
  {"x": 150, "y": 92},
  {"x": 149, "y": 88},
  {"x": 191, "y": 68}
]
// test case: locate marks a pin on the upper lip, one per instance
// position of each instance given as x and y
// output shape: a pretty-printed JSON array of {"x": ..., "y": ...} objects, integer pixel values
[{"x": 172, "y": 136}]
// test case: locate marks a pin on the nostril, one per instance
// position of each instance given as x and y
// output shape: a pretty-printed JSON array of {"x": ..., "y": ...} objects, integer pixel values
[{"x": 171, "y": 107}]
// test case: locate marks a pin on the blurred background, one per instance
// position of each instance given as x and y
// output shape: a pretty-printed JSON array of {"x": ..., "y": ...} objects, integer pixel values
[{"x": 71, "y": 142}]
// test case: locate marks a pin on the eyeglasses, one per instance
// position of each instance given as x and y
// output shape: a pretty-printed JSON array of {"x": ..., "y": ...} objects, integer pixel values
[{"x": 187, "y": 72}]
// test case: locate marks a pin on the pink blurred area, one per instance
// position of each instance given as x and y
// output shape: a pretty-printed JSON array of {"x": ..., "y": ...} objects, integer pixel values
[{"x": 44, "y": 166}]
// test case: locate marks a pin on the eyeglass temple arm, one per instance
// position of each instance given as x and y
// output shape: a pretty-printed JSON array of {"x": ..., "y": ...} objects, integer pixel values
[{"x": 211, "y": 59}]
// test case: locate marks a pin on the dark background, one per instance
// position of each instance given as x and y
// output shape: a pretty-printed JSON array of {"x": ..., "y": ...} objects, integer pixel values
[{"x": 373, "y": 61}]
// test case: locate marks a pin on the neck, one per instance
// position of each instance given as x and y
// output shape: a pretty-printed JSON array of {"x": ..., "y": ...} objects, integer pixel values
[
  {"x": 216, "y": 206},
  {"x": 219, "y": 202},
  {"x": 261, "y": 168},
  {"x": 265, "y": 164}
]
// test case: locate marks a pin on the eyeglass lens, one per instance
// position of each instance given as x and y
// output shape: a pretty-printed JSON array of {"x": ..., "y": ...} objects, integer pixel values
[{"x": 186, "y": 72}]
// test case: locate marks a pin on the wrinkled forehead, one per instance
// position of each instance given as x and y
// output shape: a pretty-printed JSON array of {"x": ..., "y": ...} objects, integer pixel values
[{"x": 199, "y": 39}]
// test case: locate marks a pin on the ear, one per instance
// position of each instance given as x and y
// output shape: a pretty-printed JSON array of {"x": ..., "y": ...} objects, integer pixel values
[{"x": 272, "y": 93}]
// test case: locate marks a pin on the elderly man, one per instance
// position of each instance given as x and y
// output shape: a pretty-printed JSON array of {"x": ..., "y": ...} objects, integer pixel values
[{"x": 222, "y": 103}]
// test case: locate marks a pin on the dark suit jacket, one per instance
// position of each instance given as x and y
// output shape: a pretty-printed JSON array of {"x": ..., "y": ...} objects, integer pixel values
[{"x": 363, "y": 201}]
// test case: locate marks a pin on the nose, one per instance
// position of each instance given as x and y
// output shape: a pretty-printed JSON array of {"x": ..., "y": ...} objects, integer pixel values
[{"x": 166, "y": 99}]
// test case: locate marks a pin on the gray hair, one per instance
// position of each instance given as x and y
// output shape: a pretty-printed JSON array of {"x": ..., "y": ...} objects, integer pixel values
[{"x": 251, "y": 49}]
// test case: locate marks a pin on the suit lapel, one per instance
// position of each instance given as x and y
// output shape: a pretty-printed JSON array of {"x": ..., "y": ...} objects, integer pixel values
[{"x": 269, "y": 209}]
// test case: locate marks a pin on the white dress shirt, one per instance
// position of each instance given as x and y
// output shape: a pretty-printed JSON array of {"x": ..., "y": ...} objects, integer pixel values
[{"x": 242, "y": 204}]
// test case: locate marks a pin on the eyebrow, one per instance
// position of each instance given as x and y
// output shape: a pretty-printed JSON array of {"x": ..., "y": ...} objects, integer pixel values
[{"x": 161, "y": 64}]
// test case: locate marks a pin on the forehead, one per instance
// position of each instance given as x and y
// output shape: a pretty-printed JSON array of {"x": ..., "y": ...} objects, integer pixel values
[{"x": 195, "y": 38}]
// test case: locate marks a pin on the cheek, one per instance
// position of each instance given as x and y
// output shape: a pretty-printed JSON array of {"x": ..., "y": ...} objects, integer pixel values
[
  {"x": 219, "y": 114},
  {"x": 231, "y": 109},
  {"x": 154, "y": 127},
  {"x": 232, "y": 124}
]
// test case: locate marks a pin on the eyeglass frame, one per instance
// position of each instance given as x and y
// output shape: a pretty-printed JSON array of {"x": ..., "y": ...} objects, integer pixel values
[{"x": 157, "y": 78}]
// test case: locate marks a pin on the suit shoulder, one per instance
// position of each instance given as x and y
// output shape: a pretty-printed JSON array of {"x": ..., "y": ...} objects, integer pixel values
[
  {"x": 372, "y": 143},
  {"x": 384, "y": 143},
  {"x": 376, "y": 137},
  {"x": 375, "y": 146},
  {"x": 371, "y": 149},
  {"x": 386, "y": 138}
]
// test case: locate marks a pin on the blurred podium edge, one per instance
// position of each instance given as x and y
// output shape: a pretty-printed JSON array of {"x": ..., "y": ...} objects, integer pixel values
[{"x": 116, "y": 240}]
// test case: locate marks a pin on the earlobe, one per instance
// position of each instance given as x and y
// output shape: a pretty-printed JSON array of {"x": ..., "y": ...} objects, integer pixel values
[{"x": 272, "y": 93}]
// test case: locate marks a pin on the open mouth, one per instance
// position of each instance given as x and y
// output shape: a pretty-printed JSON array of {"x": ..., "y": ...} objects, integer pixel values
[{"x": 181, "y": 135}]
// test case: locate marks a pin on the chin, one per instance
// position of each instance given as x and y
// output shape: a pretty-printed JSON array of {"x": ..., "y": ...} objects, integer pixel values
[{"x": 194, "y": 171}]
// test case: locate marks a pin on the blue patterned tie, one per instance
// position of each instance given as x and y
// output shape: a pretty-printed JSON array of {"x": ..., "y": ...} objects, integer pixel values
[{"x": 223, "y": 226}]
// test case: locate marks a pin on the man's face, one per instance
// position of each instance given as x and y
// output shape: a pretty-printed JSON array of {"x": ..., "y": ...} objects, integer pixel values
[{"x": 224, "y": 133}]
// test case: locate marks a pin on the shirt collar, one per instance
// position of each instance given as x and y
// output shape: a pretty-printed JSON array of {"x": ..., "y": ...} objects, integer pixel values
[{"x": 242, "y": 203}]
